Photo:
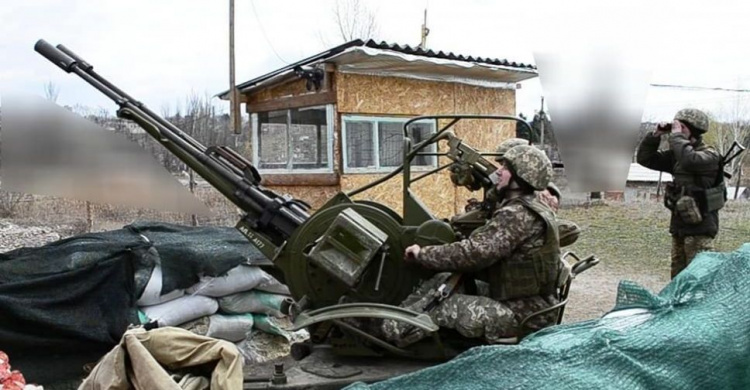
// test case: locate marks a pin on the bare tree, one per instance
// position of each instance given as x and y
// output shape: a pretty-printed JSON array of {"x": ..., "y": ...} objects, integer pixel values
[
  {"x": 51, "y": 91},
  {"x": 735, "y": 128},
  {"x": 354, "y": 20}
]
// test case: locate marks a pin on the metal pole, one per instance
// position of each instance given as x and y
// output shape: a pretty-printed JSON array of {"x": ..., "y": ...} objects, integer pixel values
[
  {"x": 234, "y": 110},
  {"x": 425, "y": 31}
]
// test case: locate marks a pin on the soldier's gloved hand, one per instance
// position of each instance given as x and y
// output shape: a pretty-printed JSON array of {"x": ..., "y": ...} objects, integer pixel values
[
  {"x": 472, "y": 204},
  {"x": 663, "y": 128},
  {"x": 678, "y": 127},
  {"x": 461, "y": 174},
  {"x": 411, "y": 253},
  {"x": 550, "y": 200}
]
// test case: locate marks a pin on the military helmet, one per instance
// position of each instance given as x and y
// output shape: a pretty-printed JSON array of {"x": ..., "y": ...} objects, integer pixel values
[
  {"x": 530, "y": 165},
  {"x": 696, "y": 118},
  {"x": 506, "y": 145}
]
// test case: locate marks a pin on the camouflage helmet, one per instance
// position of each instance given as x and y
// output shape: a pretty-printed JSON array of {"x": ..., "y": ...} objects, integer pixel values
[
  {"x": 696, "y": 118},
  {"x": 506, "y": 145},
  {"x": 530, "y": 165}
]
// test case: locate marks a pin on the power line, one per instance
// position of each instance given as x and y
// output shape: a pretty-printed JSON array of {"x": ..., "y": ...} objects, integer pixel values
[
  {"x": 252, "y": 3},
  {"x": 699, "y": 88}
]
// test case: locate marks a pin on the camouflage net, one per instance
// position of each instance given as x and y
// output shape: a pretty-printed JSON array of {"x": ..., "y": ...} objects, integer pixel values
[{"x": 695, "y": 334}]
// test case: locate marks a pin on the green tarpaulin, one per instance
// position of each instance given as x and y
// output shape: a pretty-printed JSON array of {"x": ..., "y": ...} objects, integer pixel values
[{"x": 695, "y": 334}]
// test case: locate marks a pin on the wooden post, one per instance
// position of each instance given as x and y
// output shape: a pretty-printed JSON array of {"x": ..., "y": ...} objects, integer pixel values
[
  {"x": 739, "y": 181},
  {"x": 191, "y": 183},
  {"x": 89, "y": 217},
  {"x": 658, "y": 187}
]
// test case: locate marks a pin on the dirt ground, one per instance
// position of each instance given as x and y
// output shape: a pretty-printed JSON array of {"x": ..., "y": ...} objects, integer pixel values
[{"x": 633, "y": 243}]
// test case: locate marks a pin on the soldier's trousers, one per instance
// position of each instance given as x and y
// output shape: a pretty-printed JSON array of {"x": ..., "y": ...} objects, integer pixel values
[
  {"x": 684, "y": 250},
  {"x": 472, "y": 316}
]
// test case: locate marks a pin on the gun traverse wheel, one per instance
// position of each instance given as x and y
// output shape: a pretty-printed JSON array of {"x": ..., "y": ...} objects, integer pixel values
[{"x": 385, "y": 280}]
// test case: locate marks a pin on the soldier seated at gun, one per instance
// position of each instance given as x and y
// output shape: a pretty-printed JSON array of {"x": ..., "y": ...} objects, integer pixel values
[
  {"x": 461, "y": 175},
  {"x": 517, "y": 253}
]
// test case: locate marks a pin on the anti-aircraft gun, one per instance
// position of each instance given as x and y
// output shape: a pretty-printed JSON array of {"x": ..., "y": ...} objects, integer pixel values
[{"x": 343, "y": 262}]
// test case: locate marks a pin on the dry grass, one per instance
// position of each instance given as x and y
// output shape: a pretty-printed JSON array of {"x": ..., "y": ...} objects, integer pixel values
[
  {"x": 633, "y": 243},
  {"x": 48, "y": 210}
]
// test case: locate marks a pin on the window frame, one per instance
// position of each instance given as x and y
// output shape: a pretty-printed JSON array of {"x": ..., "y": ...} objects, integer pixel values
[
  {"x": 330, "y": 114},
  {"x": 374, "y": 120}
]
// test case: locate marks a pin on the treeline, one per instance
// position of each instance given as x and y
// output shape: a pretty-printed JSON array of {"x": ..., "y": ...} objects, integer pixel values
[{"x": 197, "y": 117}]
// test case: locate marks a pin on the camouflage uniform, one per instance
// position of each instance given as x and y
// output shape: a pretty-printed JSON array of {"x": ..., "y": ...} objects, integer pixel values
[
  {"x": 569, "y": 230},
  {"x": 694, "y": 167},
  {"x": 516, "y": 253}
]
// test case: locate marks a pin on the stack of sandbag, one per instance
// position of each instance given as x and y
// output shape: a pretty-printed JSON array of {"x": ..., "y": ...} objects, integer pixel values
[{"x": 226, "y": 307}]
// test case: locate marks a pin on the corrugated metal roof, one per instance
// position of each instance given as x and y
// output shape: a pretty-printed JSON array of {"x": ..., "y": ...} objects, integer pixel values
[
  {"x": 640, "y": 173},
  {"x": 405, "y": 49}
]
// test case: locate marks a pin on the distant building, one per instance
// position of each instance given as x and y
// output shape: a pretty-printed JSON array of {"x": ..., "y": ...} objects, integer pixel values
[{"x": 643, "y": 184}]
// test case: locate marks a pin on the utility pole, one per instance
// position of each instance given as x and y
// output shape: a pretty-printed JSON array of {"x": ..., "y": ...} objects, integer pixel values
[
  {"x": 425, "y": 32},
  {"x": 235, "y": 116}
]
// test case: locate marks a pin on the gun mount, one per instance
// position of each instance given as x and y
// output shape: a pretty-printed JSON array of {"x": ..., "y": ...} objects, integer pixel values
[{"x": 345, "y": 261}]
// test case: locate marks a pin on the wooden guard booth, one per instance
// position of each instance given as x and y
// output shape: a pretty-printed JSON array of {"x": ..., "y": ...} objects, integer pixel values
[{"x": 333, "y": 122}]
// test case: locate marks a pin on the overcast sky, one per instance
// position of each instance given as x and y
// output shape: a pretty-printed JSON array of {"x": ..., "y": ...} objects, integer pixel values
[{"x": 161, "y": 51}]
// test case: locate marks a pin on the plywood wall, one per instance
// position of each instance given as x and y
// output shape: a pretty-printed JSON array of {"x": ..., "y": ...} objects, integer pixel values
[
  {"x": 435, "y": 192},
  {"x": 376, "y": 95},
  {"x": 362, "y": 94},
  {"x": 291, "y": 88},
  {"x": 485, "y": 135}
]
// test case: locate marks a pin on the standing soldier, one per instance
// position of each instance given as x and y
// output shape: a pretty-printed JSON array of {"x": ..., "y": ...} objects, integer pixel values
[
  {"x": 697, "y": 191},
  {"x": 516, "y": 253}
]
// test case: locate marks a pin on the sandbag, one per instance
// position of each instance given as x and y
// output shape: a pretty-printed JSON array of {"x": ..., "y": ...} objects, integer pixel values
[
  {"x": 152, "y": 294},
  {"x": 226, "y": 327},
  {"x": 270, "y": 284},
  {"x": 255, "y": 302},
  {"x": 240, "y": 278},
  {"x": 181, "y": 310},
  {"x": 273, "y": 325}
]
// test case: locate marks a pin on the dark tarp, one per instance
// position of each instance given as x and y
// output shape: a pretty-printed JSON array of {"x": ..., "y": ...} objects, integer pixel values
[
  {"x": 69, "y": 302},
  {"x": 188, "y": 252},
  {"x": 65, "y": 304}
]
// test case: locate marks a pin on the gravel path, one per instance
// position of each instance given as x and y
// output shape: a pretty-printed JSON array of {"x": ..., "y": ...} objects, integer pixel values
[{"x": 13, "y": 235}]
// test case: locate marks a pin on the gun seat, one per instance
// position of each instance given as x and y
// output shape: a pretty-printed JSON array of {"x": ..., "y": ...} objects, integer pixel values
[{"x": 568, "y": 271}]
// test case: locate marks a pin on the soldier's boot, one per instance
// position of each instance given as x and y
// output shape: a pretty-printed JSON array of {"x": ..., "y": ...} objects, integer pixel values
[{"x": 402, "y": 334}]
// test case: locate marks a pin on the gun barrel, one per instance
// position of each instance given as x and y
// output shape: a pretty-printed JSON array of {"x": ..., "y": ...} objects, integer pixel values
[
  {"x": 275, "y": 216},
  {"x": 54, "y": 55}
]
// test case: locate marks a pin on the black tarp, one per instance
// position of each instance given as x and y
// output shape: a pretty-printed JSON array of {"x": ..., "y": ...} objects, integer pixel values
[
  {"x": 65, "y": 304},
  {"x": 69, "y": 302}
]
